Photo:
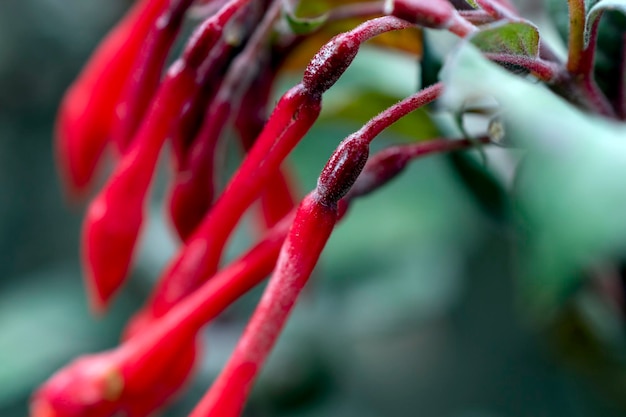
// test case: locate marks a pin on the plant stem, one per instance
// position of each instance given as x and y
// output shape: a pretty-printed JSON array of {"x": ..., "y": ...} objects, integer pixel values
[
  {"x": 394, "y": 113},
  {"x": 576, "y": 35},
  {"x": 544, "y": 70},
  {"x": 499, "y": 9},
  {"x": 476, "y": 17},
  {"x": 388, "y": 163},
  {"x": 357, "y": 10}
]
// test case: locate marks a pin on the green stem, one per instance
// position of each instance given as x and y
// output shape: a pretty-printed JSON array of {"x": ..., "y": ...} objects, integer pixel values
[{"x": 576, "y": 35}]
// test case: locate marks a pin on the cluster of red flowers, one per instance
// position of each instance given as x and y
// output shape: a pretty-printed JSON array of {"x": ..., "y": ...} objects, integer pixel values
[{"x": 224, "y": 74}]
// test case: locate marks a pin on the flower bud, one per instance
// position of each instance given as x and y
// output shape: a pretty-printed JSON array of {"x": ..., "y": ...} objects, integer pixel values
[{"x": 342, "y": 170}]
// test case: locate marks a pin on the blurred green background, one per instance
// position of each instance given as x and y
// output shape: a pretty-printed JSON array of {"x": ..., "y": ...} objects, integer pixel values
[{"x": 414, "y": 310}]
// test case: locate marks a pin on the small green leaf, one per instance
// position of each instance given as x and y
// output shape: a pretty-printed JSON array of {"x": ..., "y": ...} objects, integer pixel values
[
  {"x": 472, "y": 3},
  {"x": 596, "y": 12},
  {"x": 518, "y": 38},
  {"x": 304, "y": 25}
]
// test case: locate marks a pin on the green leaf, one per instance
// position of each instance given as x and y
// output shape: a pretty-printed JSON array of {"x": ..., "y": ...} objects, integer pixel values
[
  {"x": 596, "y": 12},
  {"x": 472, "y": 3},
  {"x": 570, "y": 193},
  {"x": 518, "y": 38},
  {"x": 303, "y": 25}
]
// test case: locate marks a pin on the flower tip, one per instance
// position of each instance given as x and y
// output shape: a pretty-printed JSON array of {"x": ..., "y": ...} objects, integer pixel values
[
  {"x": 80, "y": 142},
  {"x": 75, "y": 182},
  {"x": 109, "y": 235},
  {"x": 100, "y": 290}
]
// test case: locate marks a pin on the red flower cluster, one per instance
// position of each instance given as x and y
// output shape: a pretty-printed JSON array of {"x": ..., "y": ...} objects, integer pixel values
[{"x": 223, "y": 75}]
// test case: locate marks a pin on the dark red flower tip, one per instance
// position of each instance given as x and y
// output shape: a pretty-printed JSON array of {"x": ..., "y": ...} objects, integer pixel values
[
  {"x": 342, "y": 169},
  {"x": 332, "y": 60},
  {"x": 110, "y": 232}
]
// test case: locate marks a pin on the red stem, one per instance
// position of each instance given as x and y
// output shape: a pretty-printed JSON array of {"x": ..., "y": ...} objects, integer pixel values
[
  {"x": 544, "y": 70},
  {"x": 215, "y": 295},
  {"x": 388, "y": 163},
  {"x": 582, "y": 70},
  {"x": 499, "y": 9},
  {"x": 392, "y": 114},
  {"x": 356, "y": 10}
]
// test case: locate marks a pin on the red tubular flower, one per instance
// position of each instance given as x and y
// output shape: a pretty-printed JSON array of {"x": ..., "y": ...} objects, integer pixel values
[
  {"x": 150, "y": 367},
  {"x": 114, "y": 218},
  {"x": 86, "y": 112},
  {"x": 291, "y": 119},
  {"x": 311, "y": 228},
  {"x": 199, "y": 258},
  {"x": 146, "y": 71},
  {"x": 193, "y": 188}
]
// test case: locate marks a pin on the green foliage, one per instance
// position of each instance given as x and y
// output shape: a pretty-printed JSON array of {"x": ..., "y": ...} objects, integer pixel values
[
  {"x": 518, "y": 38},
  {"x": 569, "y": 190},
  {"x": 303, "y": 25}
]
